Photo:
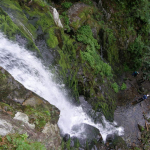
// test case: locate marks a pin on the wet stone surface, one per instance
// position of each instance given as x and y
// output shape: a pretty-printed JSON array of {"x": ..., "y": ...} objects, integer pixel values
[{"x": 128, "y": 115}]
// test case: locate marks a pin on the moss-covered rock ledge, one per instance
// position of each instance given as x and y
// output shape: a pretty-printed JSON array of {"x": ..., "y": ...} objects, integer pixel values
[{"x": 24, "y": 113}]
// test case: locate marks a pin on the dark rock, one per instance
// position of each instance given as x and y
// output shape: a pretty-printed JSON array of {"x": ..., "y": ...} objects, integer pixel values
[
  {"x": 66, "y": 137},
  {"x": 115, "y": 141},
  {"x": 76, "y": 20},
  {"x": 141, "y": 89},
  {"x": 110, "y": 138},
  {"x": 90, "y": 134}
]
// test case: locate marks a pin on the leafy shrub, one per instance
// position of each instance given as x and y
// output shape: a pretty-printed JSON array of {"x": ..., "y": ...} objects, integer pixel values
[
  {"x": 126, "y": 67},
  {"x": 136, "y": 51},
  {"x": 66, "y": 4},
  {"x": 123, "y": 87},
  {"x": 19, "y": 142},
  {"x": 84, "y": 34},
  {"x": 65, "y": 17},
  {"x": 115, "y": 87}
]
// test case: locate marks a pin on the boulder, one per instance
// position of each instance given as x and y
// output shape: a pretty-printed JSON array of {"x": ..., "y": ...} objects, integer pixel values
[
  {"x": 114, "y": 141},
  {"x": 78, "y": 14},
  {"x": 87, "y": 134},
  {"x": 23, "y": 111}
]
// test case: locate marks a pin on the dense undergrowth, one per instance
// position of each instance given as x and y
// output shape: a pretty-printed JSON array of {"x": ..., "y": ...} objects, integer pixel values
[{"x": 19, "y": 142}]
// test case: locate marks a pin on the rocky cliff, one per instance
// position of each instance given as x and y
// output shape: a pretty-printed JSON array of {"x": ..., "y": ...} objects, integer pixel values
[{"x": 24, "y": 112}]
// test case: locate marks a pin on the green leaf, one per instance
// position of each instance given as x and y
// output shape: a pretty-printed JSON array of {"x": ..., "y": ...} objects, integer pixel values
[{"x": 8, "y": 138}]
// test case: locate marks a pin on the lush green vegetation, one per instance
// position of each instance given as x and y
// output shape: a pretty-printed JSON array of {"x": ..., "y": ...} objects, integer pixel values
[
  {"x": 123, "y": 87},
  {"x": 84, "y": 34},
  {"x": 38, "y": 115},
  {"x": 19, "y": 142},
  {"x": 65, "y": 18},
  {"x": 115, "y": 87},
  {"x": 66, "y": 5},
  {"x": 69, "y": 64}
]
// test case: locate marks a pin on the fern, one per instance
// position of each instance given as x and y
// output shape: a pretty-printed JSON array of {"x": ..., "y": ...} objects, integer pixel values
[{"x": 84, "y": 35}]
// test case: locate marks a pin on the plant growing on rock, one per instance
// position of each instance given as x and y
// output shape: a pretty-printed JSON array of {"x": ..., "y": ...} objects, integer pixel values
[
  {"x": 65, "y": 18},
  {"x": 123, "y": 87},
  {"x": 84, "y": 34},
  {"x": 19, "y": 142},
  {"x": 115, "y": 87},
  {"x": 136, "y": 50},
  {"x": 66, "y": 4}
]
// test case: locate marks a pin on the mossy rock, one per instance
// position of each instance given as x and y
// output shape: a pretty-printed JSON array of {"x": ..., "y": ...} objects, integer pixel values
[
  {"x": 78, "y": 14},
  {"x": 15, "y": 97},
  {"x": 19, "y": 18},
  {"x": 51, "y": 38}
]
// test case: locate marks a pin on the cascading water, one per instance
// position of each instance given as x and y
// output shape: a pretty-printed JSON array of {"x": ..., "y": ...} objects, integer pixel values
[{"x": 29, "y": 71}]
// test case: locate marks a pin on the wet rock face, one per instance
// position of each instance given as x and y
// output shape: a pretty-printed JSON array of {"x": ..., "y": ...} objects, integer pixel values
[
  {"x": 23, "y": 111},
  {"x": 115, "y": 141},
  {"x": 90, "y": 135},
  {"x": 88, "y": 138},
  {"x": 66, "y": 137}
]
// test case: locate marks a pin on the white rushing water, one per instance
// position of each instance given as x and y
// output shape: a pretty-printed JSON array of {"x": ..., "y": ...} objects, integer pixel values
[{"x": 29, "y": 71}]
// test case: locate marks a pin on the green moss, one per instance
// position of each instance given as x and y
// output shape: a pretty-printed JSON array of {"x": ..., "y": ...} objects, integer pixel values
[
  {"x": 52, "y": 40},
  {"x": 91, "y": 55},
  {"x": 123, "y": 87},
  {"x": 66, "y": 5},
  {"x": 45, "y": 21},
  {"x": 136, "y": 50},
  {"x": 20, "y": 19},
  {"x": 20, "y": 142},
  {"x": 75, "y": 25},
  {"x": 7, "y": 26},
  {"x": 10, "y": 29},
  {"x": 84, "y": 16},
  {"x": 8, "y": 108},
  {"x": 38, "y": 115},
  {"x": 69, "y": 64},
  {"x": 115, "y": 87},
  {"x": 111, "y": 45}
]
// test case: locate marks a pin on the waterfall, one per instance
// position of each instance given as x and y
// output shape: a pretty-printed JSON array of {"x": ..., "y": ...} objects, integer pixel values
[{"x": 29, "y": 70}]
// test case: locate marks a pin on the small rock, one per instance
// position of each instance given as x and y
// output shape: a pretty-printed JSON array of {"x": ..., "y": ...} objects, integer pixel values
[{"x": 24, "y": 118}]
